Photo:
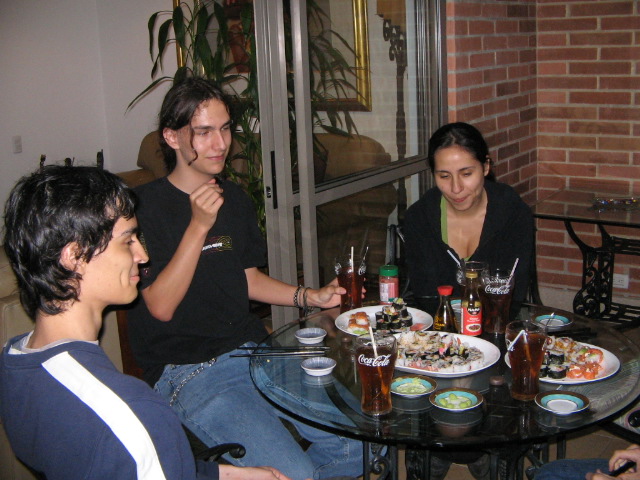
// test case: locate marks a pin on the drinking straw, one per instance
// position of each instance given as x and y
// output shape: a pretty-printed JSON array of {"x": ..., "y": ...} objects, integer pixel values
[
  {"x": 454, "y": 258},
  {"x": 520, "y": 333},
  {"x": 513, "y": 270},
  {"x": 373, "y": 341},
  {"x": 364, "y": 255}
]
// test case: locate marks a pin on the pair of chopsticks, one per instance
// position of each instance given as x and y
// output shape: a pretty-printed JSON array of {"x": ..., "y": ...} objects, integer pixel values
[{"x": 274, "y": 351}]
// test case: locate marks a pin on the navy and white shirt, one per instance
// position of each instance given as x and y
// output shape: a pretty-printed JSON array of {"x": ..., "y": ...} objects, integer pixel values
[{"x": 70, "y": 414}]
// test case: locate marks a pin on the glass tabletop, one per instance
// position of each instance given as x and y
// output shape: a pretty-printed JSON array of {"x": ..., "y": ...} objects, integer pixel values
[
  {"x": 333, "y": 401},
  {"x": 581, "y": 206}
]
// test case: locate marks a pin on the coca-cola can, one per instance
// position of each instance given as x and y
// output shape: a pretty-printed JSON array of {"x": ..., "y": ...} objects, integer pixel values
[{"x": 375, "y": 358}]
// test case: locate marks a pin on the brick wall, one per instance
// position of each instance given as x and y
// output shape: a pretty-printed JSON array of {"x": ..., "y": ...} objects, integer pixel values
[
  {"x": 588, "y": 119},
  {"x": 492, "y": 82},
  {"x": 555, "y": 88}
]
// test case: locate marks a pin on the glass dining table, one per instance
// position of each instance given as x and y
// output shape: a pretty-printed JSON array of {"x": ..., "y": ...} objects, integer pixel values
[
  {"x": 595, "y": 298},
  {"x": 500, "y": 426}
]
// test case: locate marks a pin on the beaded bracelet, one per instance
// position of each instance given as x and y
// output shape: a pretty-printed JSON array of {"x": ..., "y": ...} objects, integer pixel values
[
  {"x": 305, "y": 307},
  {"x": 295, "y": 297}
]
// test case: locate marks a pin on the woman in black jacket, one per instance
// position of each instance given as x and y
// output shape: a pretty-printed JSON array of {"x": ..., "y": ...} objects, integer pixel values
[{"x": 467, "y": 215}]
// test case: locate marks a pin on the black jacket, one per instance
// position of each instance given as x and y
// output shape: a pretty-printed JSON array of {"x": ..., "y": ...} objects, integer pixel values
[{"x": 507, "y": 234}]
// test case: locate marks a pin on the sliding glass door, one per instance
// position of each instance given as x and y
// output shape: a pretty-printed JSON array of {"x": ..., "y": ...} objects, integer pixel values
[{"x": 349, "y": 92}]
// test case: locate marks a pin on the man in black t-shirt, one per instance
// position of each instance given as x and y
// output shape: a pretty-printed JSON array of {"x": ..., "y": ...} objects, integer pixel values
[{"x": 205, "y": 248}]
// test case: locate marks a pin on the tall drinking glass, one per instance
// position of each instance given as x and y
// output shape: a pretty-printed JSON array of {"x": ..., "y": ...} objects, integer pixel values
[
  {"x": 496, "y": 293},
  {"x": 525, "y": 346},
  {"x": 376, "y": 360},
  {"x": 350, "y": 271}
]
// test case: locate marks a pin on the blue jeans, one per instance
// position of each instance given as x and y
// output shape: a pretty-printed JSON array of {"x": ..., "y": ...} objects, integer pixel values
[
  {"x": 219, "y": 403},
  {"x": 571, "y": 469}
]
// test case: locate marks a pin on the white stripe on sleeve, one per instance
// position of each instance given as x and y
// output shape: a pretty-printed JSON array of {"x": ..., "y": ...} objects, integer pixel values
[{"x": 111, "y": 409}]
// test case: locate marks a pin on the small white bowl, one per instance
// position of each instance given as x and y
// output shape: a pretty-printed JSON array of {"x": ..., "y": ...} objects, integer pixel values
[
  {"x": 318, "y": 366},
  {"x": 309, "y": 336}
]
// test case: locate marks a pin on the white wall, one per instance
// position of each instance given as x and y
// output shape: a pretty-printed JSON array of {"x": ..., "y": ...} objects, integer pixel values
[{"x": 69, "y": 69}]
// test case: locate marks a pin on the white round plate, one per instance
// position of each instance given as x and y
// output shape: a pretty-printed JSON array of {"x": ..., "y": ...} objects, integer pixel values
[
  {"x": 490, "y": 351},
  {"x": 611, "y": 366},
  {"x": 342, "y": 322},
  {"x": 561, "y": 402},
  {"x": 475, "y": 397},
  {"x": 309, "y": 336},
  {"x": 425, "y": 385}
]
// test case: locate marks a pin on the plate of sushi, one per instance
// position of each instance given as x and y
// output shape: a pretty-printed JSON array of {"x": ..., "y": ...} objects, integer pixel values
[
  {"x": 569, "y": 362},
  {"x": 444, "y": 355},
  {"x": 396, "y": 317}
]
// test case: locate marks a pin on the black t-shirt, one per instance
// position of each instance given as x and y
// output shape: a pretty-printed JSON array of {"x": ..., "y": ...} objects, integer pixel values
[{"x": 214, "y": 317}]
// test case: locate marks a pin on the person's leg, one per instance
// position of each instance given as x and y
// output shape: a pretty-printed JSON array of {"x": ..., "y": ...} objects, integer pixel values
[
  {"x": 570, "y": 469},
  {"x": 331, "y": 454},
  {"x": 220, "y": 404}
]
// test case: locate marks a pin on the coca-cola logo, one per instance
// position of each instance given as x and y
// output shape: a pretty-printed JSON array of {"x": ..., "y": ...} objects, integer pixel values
[
  {"x": 379, "y": 361},
  {"x": 498, "y": 289}
]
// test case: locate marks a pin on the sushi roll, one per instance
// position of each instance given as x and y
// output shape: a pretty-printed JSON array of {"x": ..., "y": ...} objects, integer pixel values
[
  {"x": 544, "y": 370},
  {"x": 557, "y": 372},
  {"x": 556, "y": 357}
]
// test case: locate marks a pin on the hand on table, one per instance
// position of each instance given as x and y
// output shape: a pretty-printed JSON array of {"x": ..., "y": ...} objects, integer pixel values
[
  {"x": 328, "y": 296},
  {"x": 619, "y": 458}
]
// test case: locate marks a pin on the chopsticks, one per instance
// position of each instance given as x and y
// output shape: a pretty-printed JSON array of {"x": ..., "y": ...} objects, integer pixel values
[
  {"x": 284, "y": 348},
  {"x": 299, "y": 353},
  {"x": 275, "y": 351}
]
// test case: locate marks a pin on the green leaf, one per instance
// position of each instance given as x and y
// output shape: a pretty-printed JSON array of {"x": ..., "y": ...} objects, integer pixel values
[
  {"x": 151, "y": 25},
  {"x": 178, "y": 26}
]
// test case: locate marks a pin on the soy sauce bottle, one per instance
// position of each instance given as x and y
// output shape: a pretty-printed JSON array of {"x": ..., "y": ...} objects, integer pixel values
[
  {"x": 445, "y": 320},
  {"x": 471, "y": 305}
]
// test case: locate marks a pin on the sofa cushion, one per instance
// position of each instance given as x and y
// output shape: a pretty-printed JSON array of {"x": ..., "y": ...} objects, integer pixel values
[
  {"x": 352, "y": 154},
  {"x": 150, "y": 155},
  {"x": 8, "y": 283}
]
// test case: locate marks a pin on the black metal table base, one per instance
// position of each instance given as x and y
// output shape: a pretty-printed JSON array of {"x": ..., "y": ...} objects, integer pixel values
[
  {"x": 506, "y": 463},
  {"x": 595, "y": 298}
]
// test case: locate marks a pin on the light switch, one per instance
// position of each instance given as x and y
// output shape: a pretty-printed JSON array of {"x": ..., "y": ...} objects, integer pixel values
[{"x": 17, "y": 143}]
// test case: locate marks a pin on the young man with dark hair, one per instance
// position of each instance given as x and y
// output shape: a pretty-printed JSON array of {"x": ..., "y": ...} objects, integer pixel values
[
  {"x": 205, "y": 248},
  {"x": 71, "y": 239}
]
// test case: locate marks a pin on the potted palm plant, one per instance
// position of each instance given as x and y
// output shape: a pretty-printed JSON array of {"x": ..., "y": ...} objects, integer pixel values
[{"x": 217, "y": 41}]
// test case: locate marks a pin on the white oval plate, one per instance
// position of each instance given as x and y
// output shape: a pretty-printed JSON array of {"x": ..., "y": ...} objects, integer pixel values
[
  {"x": 342, "y": 322},
  {"x": 562, "y": 402},
  {"x": 611, "y": 366},
  {"x": 490, "y": 351}
]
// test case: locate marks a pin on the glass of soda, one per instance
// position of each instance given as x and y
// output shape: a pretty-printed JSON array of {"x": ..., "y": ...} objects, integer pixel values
[
  {"x": 350, "y": 270},
  {"x": 525, "y": 346},
  {"x": 496, "y": 293},
  {"x": 375, "y": 360}
]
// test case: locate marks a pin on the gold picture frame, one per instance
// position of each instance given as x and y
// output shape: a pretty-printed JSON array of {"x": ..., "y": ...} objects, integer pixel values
[{"x": 360, "y": 99}]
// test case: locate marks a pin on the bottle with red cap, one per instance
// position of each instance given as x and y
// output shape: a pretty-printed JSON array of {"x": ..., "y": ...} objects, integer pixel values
[{"x": 445, "y": 320}]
